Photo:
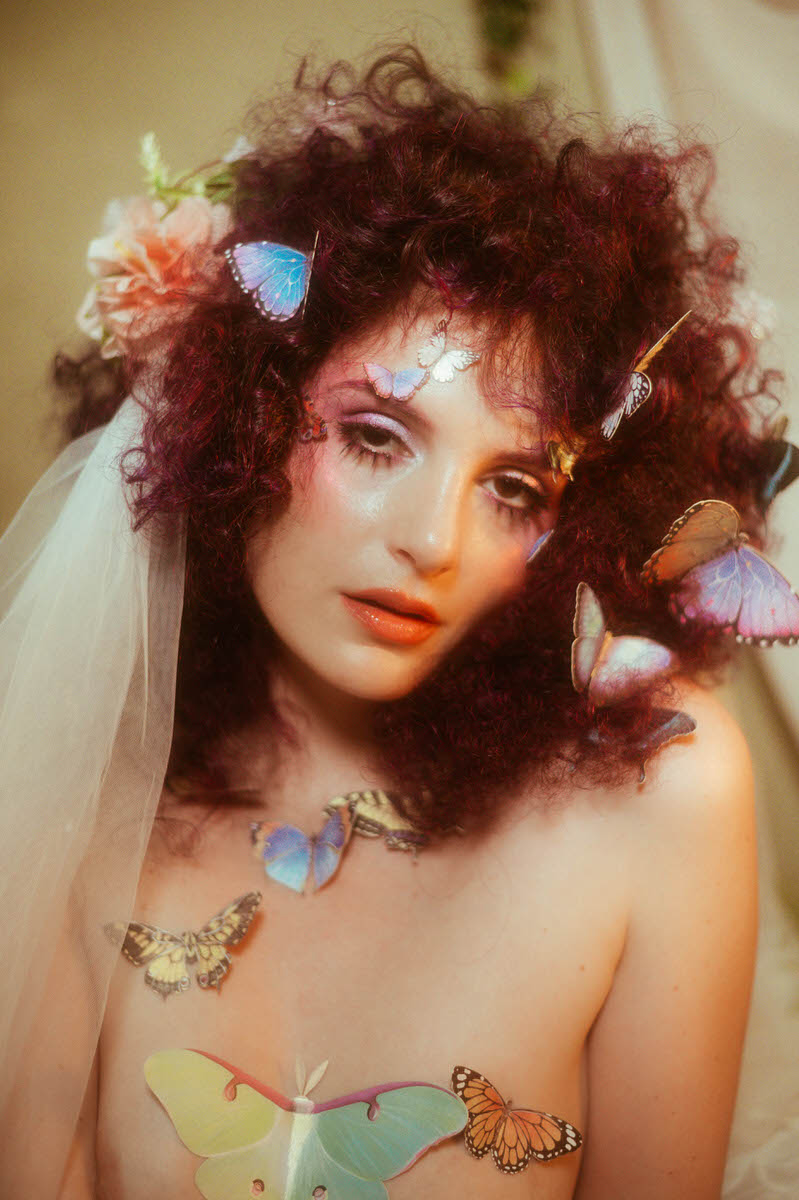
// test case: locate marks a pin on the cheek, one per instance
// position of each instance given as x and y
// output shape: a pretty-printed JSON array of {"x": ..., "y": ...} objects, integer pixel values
[{"x": 311, "y": 543}]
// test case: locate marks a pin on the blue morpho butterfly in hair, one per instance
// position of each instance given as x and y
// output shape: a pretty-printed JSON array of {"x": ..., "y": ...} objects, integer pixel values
[
  {"x": 298, "y": 860},
  {"x": 721, "y": 580},
  {"x": 275, "y": 276}
]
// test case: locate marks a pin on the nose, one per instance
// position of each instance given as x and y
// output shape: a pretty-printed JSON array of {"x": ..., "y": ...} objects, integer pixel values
[{"x": 429, "y": 518}]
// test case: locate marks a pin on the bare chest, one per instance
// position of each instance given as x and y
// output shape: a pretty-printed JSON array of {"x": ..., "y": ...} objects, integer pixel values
[{"x": 496, "y": 957}]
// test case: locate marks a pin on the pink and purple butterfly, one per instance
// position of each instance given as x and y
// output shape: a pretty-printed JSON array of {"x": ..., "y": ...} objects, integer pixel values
[
  {"x": 612, "y": 669},
  {"x": 298, "y": 860},
  {"x": 397, "y": 385},
  {"x": 721, "y": 580},
  {"x": 275, "y": 276}
]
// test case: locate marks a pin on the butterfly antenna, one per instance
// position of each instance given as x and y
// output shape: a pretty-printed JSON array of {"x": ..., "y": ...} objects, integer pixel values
[
  {"x": 643, "y": 363},
  {"x": 315, "y": 1078},
  {"x": 310, "y": 272}
]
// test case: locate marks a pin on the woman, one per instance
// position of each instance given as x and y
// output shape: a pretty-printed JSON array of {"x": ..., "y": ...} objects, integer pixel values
[{"x": 424, "y": 350}]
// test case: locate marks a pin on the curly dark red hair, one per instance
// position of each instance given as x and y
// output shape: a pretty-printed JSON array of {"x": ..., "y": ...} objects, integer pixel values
[{"x": 593, "y": 246}]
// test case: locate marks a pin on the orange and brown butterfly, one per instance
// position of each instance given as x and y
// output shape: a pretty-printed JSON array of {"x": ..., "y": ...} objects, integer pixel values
[
  {"x": 513, "y": 1135},
  {"x": 167, "y": 955}
]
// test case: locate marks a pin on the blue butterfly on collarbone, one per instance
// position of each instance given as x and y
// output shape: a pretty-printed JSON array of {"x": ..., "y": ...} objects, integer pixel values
[
  {"x": 276, "y": 277},
  {"x": 300, "y": 861}
]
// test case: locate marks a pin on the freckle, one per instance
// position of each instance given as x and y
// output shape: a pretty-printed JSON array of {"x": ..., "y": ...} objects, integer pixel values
[
  {"x": 582, "y": 966},
  {"x": 676, "y": 987}
]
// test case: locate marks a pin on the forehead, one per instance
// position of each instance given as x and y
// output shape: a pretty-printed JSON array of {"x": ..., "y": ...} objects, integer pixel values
[{"x": 501, "y": 382}]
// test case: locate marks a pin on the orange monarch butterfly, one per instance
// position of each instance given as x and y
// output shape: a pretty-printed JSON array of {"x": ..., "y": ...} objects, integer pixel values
[{"x": 513, "y": 1135}]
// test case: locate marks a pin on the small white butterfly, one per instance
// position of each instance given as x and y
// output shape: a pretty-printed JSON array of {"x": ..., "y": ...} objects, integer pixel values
[{"x": 440, "y": 362}]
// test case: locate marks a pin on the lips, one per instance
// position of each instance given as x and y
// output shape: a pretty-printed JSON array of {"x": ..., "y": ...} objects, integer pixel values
[{"x": 392, "y": 616}]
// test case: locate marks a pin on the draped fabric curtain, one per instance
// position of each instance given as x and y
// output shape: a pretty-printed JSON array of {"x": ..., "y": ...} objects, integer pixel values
[{"x": 727, "y": 70}]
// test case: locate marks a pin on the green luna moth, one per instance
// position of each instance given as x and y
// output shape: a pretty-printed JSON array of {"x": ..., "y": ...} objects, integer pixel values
[{"x": 256, "y": 1142}]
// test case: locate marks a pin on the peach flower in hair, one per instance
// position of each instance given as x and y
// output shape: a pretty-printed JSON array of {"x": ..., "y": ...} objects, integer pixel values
[{"x": 151, "y": 261}]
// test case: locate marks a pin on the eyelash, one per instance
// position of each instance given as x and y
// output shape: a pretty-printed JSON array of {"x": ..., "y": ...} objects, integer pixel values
[{"x": 353, "y": 446}]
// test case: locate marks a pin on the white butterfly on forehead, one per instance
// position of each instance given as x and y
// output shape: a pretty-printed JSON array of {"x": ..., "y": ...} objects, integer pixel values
[{"x": 440, "y": 362}]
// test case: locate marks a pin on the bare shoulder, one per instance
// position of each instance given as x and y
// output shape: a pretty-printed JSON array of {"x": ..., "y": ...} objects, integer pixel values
[{"x": 697, "y": 783}]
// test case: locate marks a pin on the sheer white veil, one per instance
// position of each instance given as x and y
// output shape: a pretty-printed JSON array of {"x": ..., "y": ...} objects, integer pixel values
[{"x": 89, "y": 624}]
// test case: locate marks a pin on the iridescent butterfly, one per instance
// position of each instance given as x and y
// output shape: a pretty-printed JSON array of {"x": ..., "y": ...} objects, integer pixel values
[
  {"x": 167, "y": 954},
  {"x": 275, "y": 276},
  {"x": 400, "y": 385},
  {"x": 297, "y": 860},
  {"x": 375, "y": 815},
  {"x": 257, "y": 1142},
  {"x": 612, "y": 669},
  {"x": 513, "y": 1135},
  {"x": 639, "y": 385},
  {"x": 440, "y": 362},
  {"x": 722, "y": 581},
  {"x": 666, "y": 725}
]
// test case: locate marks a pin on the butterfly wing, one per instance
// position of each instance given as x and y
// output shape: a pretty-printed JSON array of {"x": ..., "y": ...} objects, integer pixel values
[
  {"x": 702, "y": 533},
  {"x": 485, "y": 1108},
  {"x": 286, "y": 852},
  {"x": 164, "y": 952},
  {"x": 434, "y": 347},
  {"x": 240, "y": 1127},
  {"x": 782, "y": 465},
  {"x": 275, "y": 276},
  {"x": 769, "y": 607},
  {"x": 227, "y": 928},
  {"x": 626, "y": 666},
  {"x": 400, "y": 385},
  {"x": 381, "y": 1132},
  {"x": 711, "y": 592},
  {"x": 639, "y": 389},
  {"x": 590, "y": 629},
  {"x": 329, "y": 844},
  {"x": 443, "y": 370},
  {"x": 612, "y": 420},
  {"x": 667, "y": 724},
  {"x": 527, "y": 1134},
  {"x": 374, "y": 815}
]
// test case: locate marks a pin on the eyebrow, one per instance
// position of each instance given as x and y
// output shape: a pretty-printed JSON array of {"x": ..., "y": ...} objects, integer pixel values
[{"x": 535, "y": 458}]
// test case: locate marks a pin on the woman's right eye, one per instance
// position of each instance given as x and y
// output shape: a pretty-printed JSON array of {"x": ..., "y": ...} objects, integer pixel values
[{"x": 374, "y": 442}]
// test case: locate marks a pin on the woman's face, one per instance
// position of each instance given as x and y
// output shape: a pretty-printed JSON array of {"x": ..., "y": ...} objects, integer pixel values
[{"x": 405, "y": 525}]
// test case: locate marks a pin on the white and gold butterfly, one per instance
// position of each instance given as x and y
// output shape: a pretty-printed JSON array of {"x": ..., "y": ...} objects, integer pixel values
[
  {"x": 168, "y": 954},
  {"x": 441, "y": 363}
]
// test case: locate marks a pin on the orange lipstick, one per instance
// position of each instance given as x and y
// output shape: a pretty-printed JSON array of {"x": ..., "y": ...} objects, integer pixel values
[{"x": 410, "y": 623}]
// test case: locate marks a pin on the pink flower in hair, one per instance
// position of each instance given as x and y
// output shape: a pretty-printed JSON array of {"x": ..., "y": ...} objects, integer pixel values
[{"x": 149, "y": 264}]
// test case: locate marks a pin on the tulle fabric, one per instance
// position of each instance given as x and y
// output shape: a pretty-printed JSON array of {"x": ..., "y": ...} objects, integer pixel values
[{"x": 89, "y": 623}]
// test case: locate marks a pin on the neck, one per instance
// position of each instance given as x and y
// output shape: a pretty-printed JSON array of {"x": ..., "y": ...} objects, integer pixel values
[{"x": 327, "y": 747}]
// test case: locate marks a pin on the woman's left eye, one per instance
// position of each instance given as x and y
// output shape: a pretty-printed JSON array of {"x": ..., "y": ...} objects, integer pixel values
[{"x": 519, "y": 495}]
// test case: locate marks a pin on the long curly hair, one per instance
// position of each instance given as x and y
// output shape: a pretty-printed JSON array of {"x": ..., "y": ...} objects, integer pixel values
[{"x": 578, "y": 249}]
